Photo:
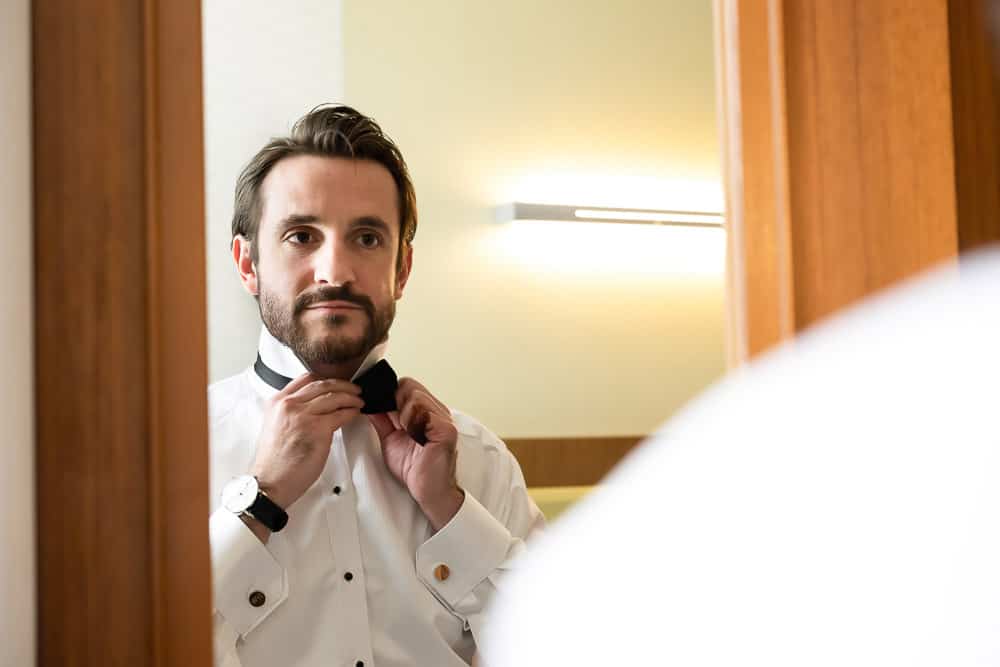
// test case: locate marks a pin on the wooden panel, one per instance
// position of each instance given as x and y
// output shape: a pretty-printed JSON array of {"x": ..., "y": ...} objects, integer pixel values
[
  {"x": 975, "y": 85},
  {"x": 123, "y": 563},
  {"x": 839, "y": 155},
  {"x": 569, "y": 461},
  {"x": 869, "y": 145}
]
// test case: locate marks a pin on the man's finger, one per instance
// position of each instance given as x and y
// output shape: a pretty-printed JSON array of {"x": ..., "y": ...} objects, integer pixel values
[
  {"x": 440, "y": 429},
  {"x": 383, "y": 425},
  {"x": 413, "y": 413},
  {"x": 408, "y": 387},
  {"x": 339, "y": 417},
  {"x": 328, "y": 386},
  {"x": 296, "y": 384},
  {"x": 333, "y": 401}
]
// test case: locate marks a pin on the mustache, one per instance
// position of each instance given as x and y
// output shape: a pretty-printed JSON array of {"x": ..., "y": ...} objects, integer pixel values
[{"x": 334, "y": 293}]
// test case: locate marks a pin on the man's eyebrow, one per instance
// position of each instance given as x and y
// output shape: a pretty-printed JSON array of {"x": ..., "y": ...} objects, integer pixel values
[
  {"x": 371, "y": 221},
  {"x": 296, "y": 219}
]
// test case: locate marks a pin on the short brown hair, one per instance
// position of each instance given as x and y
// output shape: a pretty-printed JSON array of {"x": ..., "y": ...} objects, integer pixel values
[{"x": 330, "y": 131}]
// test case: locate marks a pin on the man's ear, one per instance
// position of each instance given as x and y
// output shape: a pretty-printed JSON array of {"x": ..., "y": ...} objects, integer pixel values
[
  {"x": 403, "y": 274},
  {"x": 244, "y": 264}
]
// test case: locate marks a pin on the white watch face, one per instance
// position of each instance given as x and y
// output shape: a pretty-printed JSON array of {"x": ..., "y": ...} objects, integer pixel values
[{"x": 239, "y": 494}]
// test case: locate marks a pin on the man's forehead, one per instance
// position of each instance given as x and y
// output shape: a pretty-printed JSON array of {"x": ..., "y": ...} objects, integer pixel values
[{"x": 319, "y": 186}]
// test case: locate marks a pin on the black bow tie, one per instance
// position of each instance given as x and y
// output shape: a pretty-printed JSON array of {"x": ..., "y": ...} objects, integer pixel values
[
  {"x": 378, "y": 389},
  {"x": 378, "y": 385}
]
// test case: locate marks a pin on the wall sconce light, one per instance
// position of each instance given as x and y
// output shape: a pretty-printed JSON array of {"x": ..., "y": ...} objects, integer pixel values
[{"x": 564, "y": 213}]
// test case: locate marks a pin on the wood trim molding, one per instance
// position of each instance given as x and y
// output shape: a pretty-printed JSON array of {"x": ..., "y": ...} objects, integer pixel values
[
  {"x": 751, "y": 90},
  {"x": 121, "y": 372},
  {"x": 569, "y": 461},
  {"x": 179, "y": 355}
]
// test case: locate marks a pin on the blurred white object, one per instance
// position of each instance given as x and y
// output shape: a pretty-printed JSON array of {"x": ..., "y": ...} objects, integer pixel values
[{"x": 836, "y": 503}]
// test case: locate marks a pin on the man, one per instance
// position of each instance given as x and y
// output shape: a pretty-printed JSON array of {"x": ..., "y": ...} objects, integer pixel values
[
  {"x": 345, "y": 537},
  {"x": 836, "y": 503}
]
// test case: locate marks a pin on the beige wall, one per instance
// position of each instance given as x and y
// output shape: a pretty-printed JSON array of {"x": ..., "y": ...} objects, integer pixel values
[
  {"x": 553, "y": 330},
  {"x": 17, "y": 474}
]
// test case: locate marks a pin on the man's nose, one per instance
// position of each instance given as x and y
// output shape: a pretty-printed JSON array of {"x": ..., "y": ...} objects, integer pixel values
[{"x": 334, "y": 264}]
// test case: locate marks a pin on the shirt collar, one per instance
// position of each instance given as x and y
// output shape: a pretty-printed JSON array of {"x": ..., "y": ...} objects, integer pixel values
[{"x": 280, "y": 358}]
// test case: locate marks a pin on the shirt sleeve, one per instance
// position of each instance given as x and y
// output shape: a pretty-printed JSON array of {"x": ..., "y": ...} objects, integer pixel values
[
  {"x": 248, "y": 583},
  {"x": 464, "y": 563}
]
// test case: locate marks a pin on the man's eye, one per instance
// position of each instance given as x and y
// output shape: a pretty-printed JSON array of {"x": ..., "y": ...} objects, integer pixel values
[
  {"x": 300, "y": 237},
  {"x": 369, "y": 240}
]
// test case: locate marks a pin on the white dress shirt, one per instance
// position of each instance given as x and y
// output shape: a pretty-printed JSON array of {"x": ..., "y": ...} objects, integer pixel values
[
  {"x": 836, "y": 503},
  {"x": 355, "y": 577}
]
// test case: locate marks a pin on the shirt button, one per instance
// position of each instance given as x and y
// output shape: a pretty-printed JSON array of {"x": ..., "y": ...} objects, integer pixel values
[
  {"x": 359, "y": 663},
  {"x": 257, "y": 599},
  {"x": 348, "y": 576},
  {"x": 441, "y": 572},
  {"x": 336, "y": 490}
]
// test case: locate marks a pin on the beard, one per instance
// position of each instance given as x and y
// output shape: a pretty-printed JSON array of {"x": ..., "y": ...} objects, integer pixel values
[{"x": 332, "y": 345}]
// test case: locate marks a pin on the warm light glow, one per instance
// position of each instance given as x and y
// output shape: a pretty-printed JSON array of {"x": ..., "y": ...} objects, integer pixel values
[{"x": 608, "y": 249}]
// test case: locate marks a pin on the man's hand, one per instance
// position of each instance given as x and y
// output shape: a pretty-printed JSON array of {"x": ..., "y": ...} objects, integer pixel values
[
  {"x": 297, "y": 430},
  {"x": 427, "y": 471}
]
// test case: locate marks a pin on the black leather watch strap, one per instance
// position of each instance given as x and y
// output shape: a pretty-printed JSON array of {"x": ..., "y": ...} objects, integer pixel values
[{"x": 268, "y": 513}]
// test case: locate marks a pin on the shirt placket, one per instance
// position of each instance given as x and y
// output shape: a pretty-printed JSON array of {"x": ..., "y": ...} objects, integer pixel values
[{"x": 351, "y": 609}]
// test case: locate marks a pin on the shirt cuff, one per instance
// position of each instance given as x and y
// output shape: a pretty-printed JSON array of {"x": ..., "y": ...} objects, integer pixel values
[
  {"x": 464, "y": 553},
  {"x": 247, "y": 581}
]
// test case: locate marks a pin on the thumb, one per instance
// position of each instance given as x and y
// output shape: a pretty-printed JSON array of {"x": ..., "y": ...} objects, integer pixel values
[{"x": 383, "y": 425}]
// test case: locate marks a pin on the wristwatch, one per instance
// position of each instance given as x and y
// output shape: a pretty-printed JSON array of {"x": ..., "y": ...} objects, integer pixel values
[{"x": 243, "y": 496}]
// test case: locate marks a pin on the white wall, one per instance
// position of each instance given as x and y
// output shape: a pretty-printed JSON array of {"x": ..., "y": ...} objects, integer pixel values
[
  {"x": 554, "y": 330},
  {"x": 17, "y": 474},
  {"x": 265, "y": 64}
]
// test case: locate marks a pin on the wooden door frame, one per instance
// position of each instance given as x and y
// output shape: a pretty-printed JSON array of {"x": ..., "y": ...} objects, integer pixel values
[{"x": 120, "y": 334}]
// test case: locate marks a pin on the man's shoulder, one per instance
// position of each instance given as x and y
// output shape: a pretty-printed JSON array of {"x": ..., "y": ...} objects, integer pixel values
[
  {"x": 475, "y": 436},
  {"x": 473, "y": 429},
  {"x": 486, "y": 467},
  {"x": 225, "y": 395}
]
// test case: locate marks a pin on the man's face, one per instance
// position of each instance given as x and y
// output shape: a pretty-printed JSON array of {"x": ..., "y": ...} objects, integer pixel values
[{"x": 326, "y": 273}]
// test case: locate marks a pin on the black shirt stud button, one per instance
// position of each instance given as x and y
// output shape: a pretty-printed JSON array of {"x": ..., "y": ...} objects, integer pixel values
[
  {"x": 336, "y": 490},
  {"x": 257, "y": 599},
  {"x": 348, "y": 576}
]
